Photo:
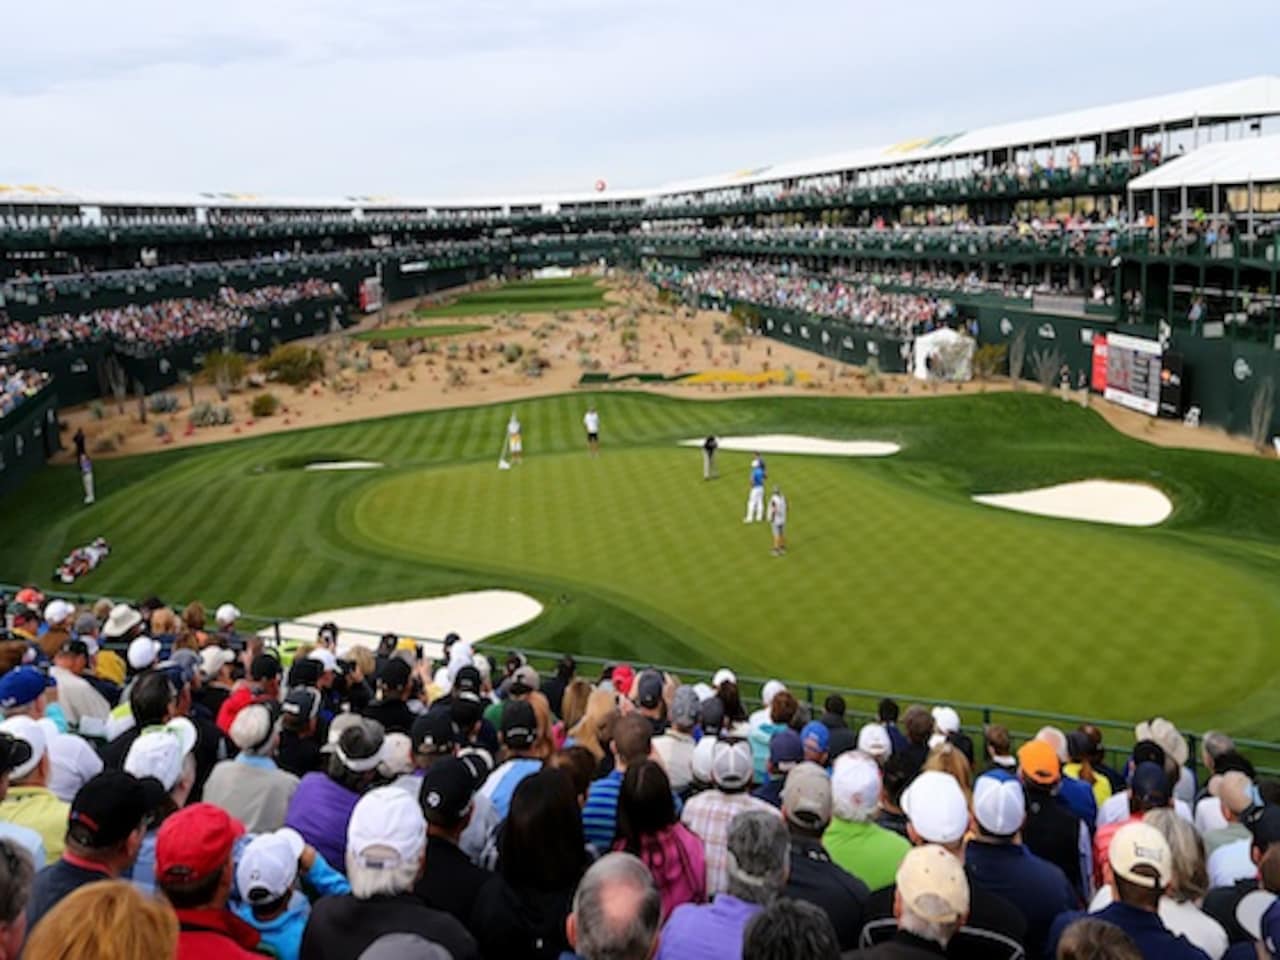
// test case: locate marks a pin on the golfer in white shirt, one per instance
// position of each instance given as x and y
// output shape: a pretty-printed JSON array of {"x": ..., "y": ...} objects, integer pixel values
[
  {"x": 592, "y": 422},
  {"x": 778, "y": 520},
  {"x": 514, "y": 443}
]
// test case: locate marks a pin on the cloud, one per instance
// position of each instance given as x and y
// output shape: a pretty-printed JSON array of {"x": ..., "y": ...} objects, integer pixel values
[{"x": 447, "y": 98}]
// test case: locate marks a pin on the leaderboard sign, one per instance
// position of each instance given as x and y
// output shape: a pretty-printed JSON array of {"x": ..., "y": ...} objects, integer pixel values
[{"x": 1138, "y": 373}]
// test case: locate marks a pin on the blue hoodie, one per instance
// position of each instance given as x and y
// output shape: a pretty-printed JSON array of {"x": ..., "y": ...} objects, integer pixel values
[{"x": 283, "y": 933}]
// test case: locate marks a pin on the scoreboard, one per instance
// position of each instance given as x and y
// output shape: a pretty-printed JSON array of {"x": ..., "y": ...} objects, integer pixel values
[{"x": 1138, "y": 373}]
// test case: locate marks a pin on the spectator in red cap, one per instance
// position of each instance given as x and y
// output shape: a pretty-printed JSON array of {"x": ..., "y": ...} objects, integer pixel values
[{"x": 194, "y": 871}]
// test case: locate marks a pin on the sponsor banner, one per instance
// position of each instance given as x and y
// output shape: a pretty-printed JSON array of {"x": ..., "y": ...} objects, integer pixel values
[{"x": 1098, "y": 377}]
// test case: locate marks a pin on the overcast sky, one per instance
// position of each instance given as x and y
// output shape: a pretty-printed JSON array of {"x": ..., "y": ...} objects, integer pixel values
[{"x": 456, "y": 98}]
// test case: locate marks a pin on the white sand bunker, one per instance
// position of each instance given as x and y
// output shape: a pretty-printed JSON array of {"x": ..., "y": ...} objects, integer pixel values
[
  {"x": 791, "y": 443},
  {"x": 472, "y": 616},
  {"x": 1098, "y": 501},
  {"x": 343, "y": 465}
]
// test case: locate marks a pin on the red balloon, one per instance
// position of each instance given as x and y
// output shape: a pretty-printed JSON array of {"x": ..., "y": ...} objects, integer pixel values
[{"x": 600, "y": 185}]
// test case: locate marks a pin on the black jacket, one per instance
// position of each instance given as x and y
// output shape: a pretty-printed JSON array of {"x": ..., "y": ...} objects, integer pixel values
[
  {"x": 903, "y": 946},
  {"x": 520, "y": 923},
  {"x": 299, "y": 755},
  {"x": 394, "y": 715},
  {"x": 842, "y": 738},
  {"x": 55, "y": 882},
  {"x": 1052, "y": 832},
  {"x": 451, "y": 881},
  {"x": 995, "y": 929},
  {"x": 340, "y": 928},
  {"x": 817, "y": 880}
]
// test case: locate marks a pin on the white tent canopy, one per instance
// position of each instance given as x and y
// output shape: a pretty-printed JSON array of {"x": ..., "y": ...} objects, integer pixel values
[
  {"x": 952, "y": 354},
  {"x": 1256, "y": 160}
]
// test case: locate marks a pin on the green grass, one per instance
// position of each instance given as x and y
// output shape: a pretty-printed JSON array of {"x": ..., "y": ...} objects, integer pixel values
[
  {"x": 526, "y": 296},
  {"x": 420, "y": 333},
  {"x": 895, "y": 580}
]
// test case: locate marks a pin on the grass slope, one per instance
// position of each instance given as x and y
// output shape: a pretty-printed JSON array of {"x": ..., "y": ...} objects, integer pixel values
[
  {"x": 895, "y": 581},
  {"x": 420, "y": 333},
  {"x": 527, "y": 296}
]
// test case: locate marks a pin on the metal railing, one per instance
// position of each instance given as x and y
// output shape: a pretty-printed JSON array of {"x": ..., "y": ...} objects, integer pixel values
[{"x": 1022, "y": 723}]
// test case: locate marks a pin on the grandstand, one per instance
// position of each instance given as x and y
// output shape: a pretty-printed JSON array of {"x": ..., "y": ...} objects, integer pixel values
[{"x": 958, "y": 681}]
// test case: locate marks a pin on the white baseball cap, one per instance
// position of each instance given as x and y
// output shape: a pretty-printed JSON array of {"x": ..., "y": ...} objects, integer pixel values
[
  {"x": 723, "y": 675},
  {"x": 33, "y": 734},
  {"x": 56, "y": 611},
  {"x": 701, "y": 762},
  {"x": 731, "y": 764},
  {"x": 873, "y": 739},
  {"x": 326, "y": 658},
  {"x": 1140, "y": 845},
  {"x": 946, "y": 720},
  {"x": 387, "y": 829},
  {"x": 213, "y": 659},
  {"x": 226, "y": 614},
  {"x": 936, "y": 807},
  {"x": 770, "y": 690},
  {"x": 704, "y": 692},
  {"x": 159, "y": 751},
  {"x": 269, "y": 865},
  {"x": 855, "y": 785},
  {"x": 143, "y": 652},
  {"x": 999, "y": 805}
]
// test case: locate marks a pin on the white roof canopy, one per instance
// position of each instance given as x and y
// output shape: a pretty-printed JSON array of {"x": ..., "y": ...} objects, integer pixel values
[
  {"x": 1254, "y": 160},
  {"x": 1254, "y": 97}
]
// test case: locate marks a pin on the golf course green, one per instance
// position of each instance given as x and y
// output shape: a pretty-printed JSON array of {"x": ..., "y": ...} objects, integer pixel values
[
  {"x": 424, "y": 332},
  {"x": 523, "y": 296},
  {"x": 895, "y": 579}
]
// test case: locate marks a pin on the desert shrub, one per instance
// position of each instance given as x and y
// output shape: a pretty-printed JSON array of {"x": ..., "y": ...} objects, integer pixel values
[
  {"x": 379, "y": 344},
  {"x": 264, "y": 405},
  {"x": 161, "y": 429},
  {"x": 162, "y": 403},
  {"x": 226, "y": 368},
  {"x": 457, "y": 376},
  {"x": 294, "y": 364},
  {"x": 210, "y": 415},
  {"x": 1046, "y": 365},
  {"x": 104, "y": 445},
  {"x": 361, "y": 365},
  {"x": 989, "y": 359},
  {"x": 534, "y": 365},
  {"x": 512, "y": 352},
  {"x": 97, "y": 410},
  {"x": 1261, "y": 411},
  {"x": 1017, "y": 355},
  {"x": 401, "y": 353},
  {"x": 788, "y": 377},
  {"x": 872, "y": 379},
  {"x": 732, "y": 335}
]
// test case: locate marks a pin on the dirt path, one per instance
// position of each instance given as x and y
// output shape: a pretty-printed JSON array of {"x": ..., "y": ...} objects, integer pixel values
[{"x": 634, "y": 334}]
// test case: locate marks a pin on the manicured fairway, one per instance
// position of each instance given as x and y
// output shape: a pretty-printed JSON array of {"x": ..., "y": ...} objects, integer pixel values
[
  {"x": 895, "y": 579},
  {"x": 420, "y": 333},
  {"x": 527, "y": 296}
]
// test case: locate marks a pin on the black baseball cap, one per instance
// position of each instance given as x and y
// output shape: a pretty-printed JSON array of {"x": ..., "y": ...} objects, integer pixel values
[
  {"x": 305, "y": 673},
  {"x": 395, "y": 673},
  {"x": 447, "y": 788},
  {"x": 108, "y": 808},
  {"x": 433, "y": 733},
  {"x": 519, "y": 723},
  {"x": 14, "y": 752},
  {"x": 466, "y": 685},
  {"x": 301, "y": 702},
  {"x": 1148, "y": 751},
  {"x": 265, "y": 667},
  {"x": 648, "y": 688},
  {"x": 75, "y": 648},
  {"x": 1264, "y": 823},
  {"x": 711, "y": 715},
  {"x": 1149, "y": 784}
]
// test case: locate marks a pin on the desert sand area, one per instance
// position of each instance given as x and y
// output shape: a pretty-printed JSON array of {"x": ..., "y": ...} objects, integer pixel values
[{"x": 362, "y": 381}]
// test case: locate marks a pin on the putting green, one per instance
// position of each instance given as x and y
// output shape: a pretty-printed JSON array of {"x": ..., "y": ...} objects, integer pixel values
[
  {"x": 895, "y": 579},
  {"x": 420, "y": 333},
  {"x": 528, "y": 296}
]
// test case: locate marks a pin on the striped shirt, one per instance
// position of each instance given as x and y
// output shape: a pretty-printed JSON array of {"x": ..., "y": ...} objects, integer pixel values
[
  {"x": 708, "y": 814},
  {"x": 600, "y": 815}
]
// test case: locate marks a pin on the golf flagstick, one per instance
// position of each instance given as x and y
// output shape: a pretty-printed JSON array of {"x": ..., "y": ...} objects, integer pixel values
[{"x": 502, "y": 457}]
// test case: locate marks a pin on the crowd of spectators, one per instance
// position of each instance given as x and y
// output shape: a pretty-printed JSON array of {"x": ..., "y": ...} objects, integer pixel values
[
  {"x": 17, "y": 384},
  {"x": 787, "y": 287},
  {"x": 199, "y": 796},
  {"x": 157, "y": 324}
]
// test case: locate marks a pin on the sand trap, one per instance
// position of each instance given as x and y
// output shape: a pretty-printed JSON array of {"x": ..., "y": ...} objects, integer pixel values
[
  {"x": 1098, "y": 501},
  {"x": 473, "y": 616},
  {"x": 344, "y": 465},
  {"x": 791, "y": 443}
]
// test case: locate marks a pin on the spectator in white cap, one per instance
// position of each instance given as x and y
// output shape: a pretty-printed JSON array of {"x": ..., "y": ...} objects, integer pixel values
[
  {"x": 1141, "y": 869},
  {"x": 385, "y": 855},
  {"x": 1165, "y": 733},
  {"x": 58, "y": 615},
  {"x": 855, "y": 842},
  {"x": 708, "y": 814},
  {"x": 122, "y": 625},
  {"x": 997, "y": 862},
  {"x": 938, "y": 813},
  {"x": 1179, "y": 908},
  {"x": 946, "y": 721},
  {"x": 29, "y": 802},
  {"x": 163, "y": 754},
  {"x": 217, "y": 666},
  {"x": 813, "y": 877},
  {"x": 930, "y": 904},
  {"x": 675, "y": 747},
  {"x": 251, "y": 787},
  {"x": 267, "y": 876},
  {"x": 142, "y": 654},
  {"x": 874, "y": 741},
  {"x": 756, "y": 866}
]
